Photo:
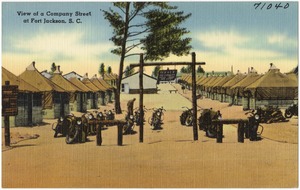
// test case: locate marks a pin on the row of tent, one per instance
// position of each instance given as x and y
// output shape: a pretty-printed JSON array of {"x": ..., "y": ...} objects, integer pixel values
[
  {"x": 40, "y": 97},
  {"x": 249, "y": 90}
]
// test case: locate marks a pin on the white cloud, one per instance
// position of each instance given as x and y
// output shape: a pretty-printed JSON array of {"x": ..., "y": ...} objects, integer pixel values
[
  {"x": 282, "y": 39},
  {"x": 67, "y": 49},
  {"x": 221, "y": 39},
  {"x": 223, "y": 49}
]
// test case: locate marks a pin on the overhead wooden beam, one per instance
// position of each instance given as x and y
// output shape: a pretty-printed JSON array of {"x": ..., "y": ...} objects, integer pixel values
[{"x": 164, "y": 64}]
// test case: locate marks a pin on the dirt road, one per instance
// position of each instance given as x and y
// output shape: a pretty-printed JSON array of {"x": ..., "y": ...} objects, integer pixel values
[{"x": 166, "y": 158}]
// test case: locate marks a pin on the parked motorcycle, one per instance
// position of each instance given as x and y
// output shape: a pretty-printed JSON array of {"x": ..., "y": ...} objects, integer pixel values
[
  {"x": 62, "y": 125},
  {"x": 251, "y": 129},
  {"x": 89, "y": 121},
  {"x": 129, "y": 126},
  {"x": 76, "y": 132},
  {"x": 156, "y": 119},
  {"x": 205, "y": 122},
  {"x": 186, "y": 118},
  {"x": 270, "y": 114},
  {"x": 137, "y": 116},
  {"x": 291, "y": 111}
]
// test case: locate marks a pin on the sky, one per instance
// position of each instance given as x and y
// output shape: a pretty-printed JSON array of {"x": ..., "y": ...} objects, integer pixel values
[{"x": 224, "y": 35}]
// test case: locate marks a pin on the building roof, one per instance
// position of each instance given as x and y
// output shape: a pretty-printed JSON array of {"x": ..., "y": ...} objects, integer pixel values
[
  {"x": 14, "y": 80},
  {"x": 32, "y": 76},
  {"x": 58, "y": 79},
  {"x": 97, "y": 83},
  {"x": 86, "y": 81},
  {"x": 77, "y": 82}
]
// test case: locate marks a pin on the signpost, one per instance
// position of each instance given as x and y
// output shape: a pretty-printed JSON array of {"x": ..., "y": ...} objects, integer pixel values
[
  {"x": 166, "y": 75},
  {"x": 141, "y": 65},
  {"x": 9, "y": 107}
]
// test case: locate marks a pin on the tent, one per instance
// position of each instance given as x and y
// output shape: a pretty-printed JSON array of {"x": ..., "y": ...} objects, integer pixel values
[
  {"x": 92, "y": 96},
  {"x": 274, "y": 88},
  {"x": 103, "y": 90},
  {"x": 225, "y": 89},
  {"x": 73, "y": 91},
  {"x": 238, "y": 88},
  {"x": 82, "y": 106},
  {"x": 29, "y": 101},
  {"x": 55, "y": 99}
]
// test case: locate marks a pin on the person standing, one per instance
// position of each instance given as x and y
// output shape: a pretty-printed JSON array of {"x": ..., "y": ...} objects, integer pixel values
[{"x": 130, "y": 106}]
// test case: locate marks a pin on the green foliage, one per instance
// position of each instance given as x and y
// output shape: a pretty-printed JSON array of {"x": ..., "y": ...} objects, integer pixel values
[
  {"x": 200, "y": 69},
  {"x": 109, "y": 71},
  {"x": 151, "y": 26},
  {"x": 53, "y": 67},
  {"x": 101, "y": 70},
  {"x": 128, "y": 71},
  {"x": 155, "y": 71}
]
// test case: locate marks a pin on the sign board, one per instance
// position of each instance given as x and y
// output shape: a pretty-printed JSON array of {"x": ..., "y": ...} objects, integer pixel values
[
  {"x": 9, "y": 100},
  {"x": 167, "y": 75}
]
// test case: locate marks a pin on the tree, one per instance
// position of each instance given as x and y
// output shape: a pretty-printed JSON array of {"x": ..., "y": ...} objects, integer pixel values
[
  {"x": 109, "y": 70},
  {"x": 183, "y": 70},
  {"x": 53, "y": 68},
  {"x": 128, "y": 71},
  {"x": 152, "y": 27},
  {"x": 155, "y": 71},
  {"x": 200, "y": 69},
  {"x": 102, "y": 70}
]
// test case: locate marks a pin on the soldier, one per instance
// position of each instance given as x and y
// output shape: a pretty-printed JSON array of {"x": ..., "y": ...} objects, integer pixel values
[{"x": 130, "y": 106}]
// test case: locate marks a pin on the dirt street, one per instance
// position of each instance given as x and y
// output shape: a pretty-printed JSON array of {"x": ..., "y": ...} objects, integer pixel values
[{"x": 168, "y": 158}]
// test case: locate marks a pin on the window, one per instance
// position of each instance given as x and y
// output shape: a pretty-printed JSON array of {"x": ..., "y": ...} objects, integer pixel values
[{"x": 122, "y": 88}]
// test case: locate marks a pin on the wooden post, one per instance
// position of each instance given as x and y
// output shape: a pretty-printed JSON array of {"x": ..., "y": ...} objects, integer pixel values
[
  {"x": 194, "y": 98},
  {"x": 6, "y": 125},
  {"x": 241, "y": 132},
  {"x": 120, "y": 134},
  {"x": 141, "y": 98},
  {"x": 219, "y": 132},
  {"x": 99, "y": 135}
]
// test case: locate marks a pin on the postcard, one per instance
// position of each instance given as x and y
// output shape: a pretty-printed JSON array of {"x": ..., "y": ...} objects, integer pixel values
[{"x": 183, "y": 94}]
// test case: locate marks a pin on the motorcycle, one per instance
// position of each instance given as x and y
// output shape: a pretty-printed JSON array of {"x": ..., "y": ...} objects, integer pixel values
[
  {"x": 186, "y": 118},
  {"x": 291, "y": 111},
  {"x": 251, "y": 129},
  {"x": 129, "y": 126},
  {"x": 76, "y": 131},
  {"x": 156, "y": 119},
  {"x": 62, "y": 125},
  {"x": 89, "y": 121},
  {"x": 205, "y": 122},
  {"x": 110, "y": 114},
  {"x": 137, "y": 116},
  {"x": 270, "y": 114}
]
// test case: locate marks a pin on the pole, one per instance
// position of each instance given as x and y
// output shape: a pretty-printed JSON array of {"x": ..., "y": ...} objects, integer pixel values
[
  {"x": 141, "y": 98},
  {"x": 241, "y": 132},
  {"x": 120, "y": 134},
  {"x": 99, "y": 135},
  {"x": 194, "y": 98},
  {"x": 6, "y": 125}
]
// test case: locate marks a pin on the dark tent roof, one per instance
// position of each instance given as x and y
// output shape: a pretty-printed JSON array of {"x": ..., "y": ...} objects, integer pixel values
[{"x": 274, "y": 85}]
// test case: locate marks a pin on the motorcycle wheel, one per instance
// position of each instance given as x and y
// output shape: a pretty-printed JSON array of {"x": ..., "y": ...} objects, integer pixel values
[
  {"x": 72, "y": 135},
  {"x": 189, "y": 121},
  {"x": 288, "y": 114},
  {"x": 210, "y": 134}
]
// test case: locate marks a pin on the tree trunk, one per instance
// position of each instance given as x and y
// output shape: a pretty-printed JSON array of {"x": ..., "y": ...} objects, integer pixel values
[{"x": 118, "y": 91}]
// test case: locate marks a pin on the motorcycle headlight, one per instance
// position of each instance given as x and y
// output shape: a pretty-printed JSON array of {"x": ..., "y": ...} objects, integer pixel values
[
  {"x": 100, "y": 114},
  {"x": 256, "y": 117},
  {"x": 79, "y": 122},
  {"x": 131, "y": 116},
  {"x": 90, "y": 116},
  {"x": 109, "y": 112},
  {"x": 158, "y": 113},
  {"x": 219, "y": 118},
  {"x": 61, "y": 118}
]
